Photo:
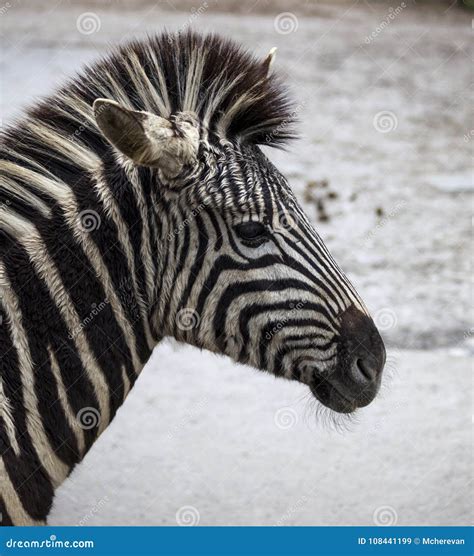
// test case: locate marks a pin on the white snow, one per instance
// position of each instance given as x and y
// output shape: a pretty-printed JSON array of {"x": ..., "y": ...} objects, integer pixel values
[{"x": 244, "y": 448}]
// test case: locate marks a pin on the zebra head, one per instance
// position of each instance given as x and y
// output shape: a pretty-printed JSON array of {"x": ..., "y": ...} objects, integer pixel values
[{"x": 243, "y": 271}]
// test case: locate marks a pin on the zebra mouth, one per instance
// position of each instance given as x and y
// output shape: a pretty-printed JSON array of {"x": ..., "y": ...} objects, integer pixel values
[{"x": 331, "y": 396}]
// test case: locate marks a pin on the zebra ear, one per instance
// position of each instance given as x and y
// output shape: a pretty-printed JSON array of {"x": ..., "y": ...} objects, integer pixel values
[
  {"x": 149, "y": 140},
  {"x": 268, "y": 62}
]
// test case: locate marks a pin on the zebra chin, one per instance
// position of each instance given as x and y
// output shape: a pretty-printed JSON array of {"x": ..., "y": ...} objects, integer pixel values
[{"x": 334, "y": 397}]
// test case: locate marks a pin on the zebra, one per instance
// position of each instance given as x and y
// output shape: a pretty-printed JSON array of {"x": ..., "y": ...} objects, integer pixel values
[{"x": 137, "y": 203}]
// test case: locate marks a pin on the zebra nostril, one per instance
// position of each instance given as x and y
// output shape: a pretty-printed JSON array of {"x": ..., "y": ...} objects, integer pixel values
[
  {"x": 366, "y": 368},
  {"x": 361, "y": 351}
]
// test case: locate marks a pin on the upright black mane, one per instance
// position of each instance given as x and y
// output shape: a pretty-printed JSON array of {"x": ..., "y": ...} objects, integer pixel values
[{"x": 226, "y": 86}]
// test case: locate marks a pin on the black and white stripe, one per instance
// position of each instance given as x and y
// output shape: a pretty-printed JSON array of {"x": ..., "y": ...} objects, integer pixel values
[{"x": 128, "y": 222}]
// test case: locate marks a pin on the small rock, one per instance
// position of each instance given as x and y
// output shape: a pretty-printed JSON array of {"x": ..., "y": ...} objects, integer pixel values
[{"x": 323, "y": 216}]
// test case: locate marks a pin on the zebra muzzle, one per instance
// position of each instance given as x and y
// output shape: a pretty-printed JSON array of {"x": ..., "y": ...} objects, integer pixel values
[{"x": 356, "y": 377}]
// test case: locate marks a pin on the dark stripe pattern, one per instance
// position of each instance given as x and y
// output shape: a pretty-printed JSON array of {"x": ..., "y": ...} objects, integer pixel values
[{"x": 100, "y": 259}]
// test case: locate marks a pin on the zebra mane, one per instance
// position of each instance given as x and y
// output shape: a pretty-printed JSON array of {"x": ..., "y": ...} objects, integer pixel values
[{"x": 224, "y": 85}]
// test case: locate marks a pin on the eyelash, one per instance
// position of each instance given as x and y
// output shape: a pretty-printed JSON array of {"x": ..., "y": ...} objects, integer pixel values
[
  {"x": 260, "y": 233},
  {"x": 254, "y": 243}
]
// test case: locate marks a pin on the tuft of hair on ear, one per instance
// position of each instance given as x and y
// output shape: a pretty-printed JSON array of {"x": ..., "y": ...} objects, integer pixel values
[{"x": 268, "y": 62}]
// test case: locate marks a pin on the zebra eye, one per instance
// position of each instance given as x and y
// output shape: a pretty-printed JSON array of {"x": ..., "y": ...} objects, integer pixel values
[{"x": 251, "y": 232}]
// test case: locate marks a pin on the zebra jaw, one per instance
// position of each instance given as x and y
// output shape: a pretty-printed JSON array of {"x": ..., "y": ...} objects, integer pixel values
[{"x": 170, "y": 145}]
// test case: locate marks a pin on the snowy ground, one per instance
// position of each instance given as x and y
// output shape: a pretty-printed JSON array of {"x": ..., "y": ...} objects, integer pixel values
[
  {"x": 251, "y": 451},
  {"x": 386, "y": 120}
]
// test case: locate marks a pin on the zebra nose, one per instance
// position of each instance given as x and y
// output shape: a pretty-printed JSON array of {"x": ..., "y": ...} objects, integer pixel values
[
  {"x": 355, "y": 378},
  {"x": 361, "y": 351}
]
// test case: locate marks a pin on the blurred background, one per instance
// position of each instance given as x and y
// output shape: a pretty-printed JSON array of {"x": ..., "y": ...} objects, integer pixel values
[{"x": 383, "y": 168}]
